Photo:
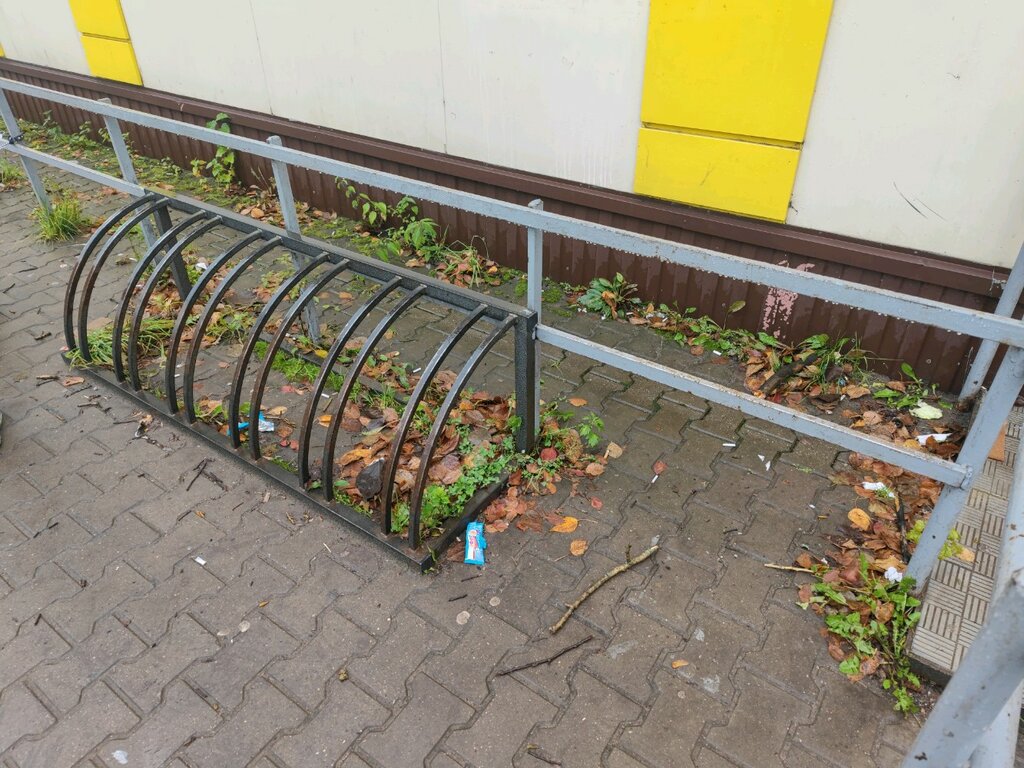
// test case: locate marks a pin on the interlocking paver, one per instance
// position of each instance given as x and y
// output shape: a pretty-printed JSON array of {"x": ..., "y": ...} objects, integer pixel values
[
  {"x": 100, "y": 714},
  {"x": 21, "y": 714}
]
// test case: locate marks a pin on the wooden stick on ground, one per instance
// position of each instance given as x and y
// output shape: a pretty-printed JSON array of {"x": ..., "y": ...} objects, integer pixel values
[
  {"x": 547, "y": 659},
  {"x": 598, "y": 584},
  {"x": 788, "y": 568}
]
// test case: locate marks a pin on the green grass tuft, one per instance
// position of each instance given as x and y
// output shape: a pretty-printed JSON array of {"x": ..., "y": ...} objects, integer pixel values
[{"x": 64, "y": 220}]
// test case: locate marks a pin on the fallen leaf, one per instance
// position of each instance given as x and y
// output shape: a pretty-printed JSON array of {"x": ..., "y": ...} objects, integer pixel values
[
  {"x": 659, "y": 467},
  {"x": 596, "y": 503},
  {"x": 324, "y": 420},
  {"x": 870, "y": 418},
  {"x": 965, "y": 555},
  {"x": 804, "y": 560},
  {"x": 859, "y": 519},
  {"x": 568, "y": 525},
  {"x": 855, "y": 392},
  {"x": 594, "y": 469},
  {"x": 577, "y": 547},
  {"x": 257, "y": 213},
  {"x": 277, "y": 411},
  {"x": 680, "y": 663},
  {"x": 71, "y": 381},
  {"x": 548, "y": 454},
  {"x": 577, "y": 402},
  {"x": 613, "y": 451}
]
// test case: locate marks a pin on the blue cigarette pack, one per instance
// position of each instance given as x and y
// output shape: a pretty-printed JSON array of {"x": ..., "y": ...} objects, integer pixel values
[{"x": 475, "y": 544}]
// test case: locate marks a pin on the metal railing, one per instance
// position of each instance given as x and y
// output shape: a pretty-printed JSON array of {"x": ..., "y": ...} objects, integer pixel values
[
  {"x": 998, "y": 329},
  {"x": 994, "y": 329}
]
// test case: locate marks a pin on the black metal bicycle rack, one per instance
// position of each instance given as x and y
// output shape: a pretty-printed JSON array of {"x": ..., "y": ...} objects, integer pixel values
[{"x": 248, "y": 243}]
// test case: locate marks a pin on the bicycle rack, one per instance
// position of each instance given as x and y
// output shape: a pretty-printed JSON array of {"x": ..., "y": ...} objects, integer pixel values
[{"x": 251, "y": 243}]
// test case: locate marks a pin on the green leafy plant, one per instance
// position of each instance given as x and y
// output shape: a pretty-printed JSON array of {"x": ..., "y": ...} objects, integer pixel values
[
  {"x": 591, "y": 429},
  {"x": 222, "y": 165},
  {"x": 904, "y": 394},
  {"x": 10, "y": 174},
  {"x": 607, "y": 296},
  {"x": 950, "y": 548},
  {"x": 874, "y": 620},
  {"x": 64, "y": 220},
  {"x": 153, "y": 336}
]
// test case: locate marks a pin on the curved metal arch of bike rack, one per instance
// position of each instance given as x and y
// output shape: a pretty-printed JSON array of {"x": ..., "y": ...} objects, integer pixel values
[
  {"x": 122, "y": 308},
  {"x": 355, "y": 367},
  {"x": 327, "y": 366},
  {"x": 181, "y": 321},
  {"x": 259, "y": 385},
  {"x": 90, "y": 245},
  {"x": 94, "y": 271},
  {"x": 235, "y": 401},
  {"x": 441, "y": 419},
  {"x": 142, "y": 302},
  {"x": 401, "y": 431},
  {"x": 188, "y": 375}
]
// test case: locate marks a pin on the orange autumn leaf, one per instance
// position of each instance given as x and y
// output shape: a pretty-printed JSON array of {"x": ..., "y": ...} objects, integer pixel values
[
  {"x": 577, "y": 402},
  {"x": 859, "y": 519},
  {"x": 568, "y": 525},
  {"x": 578, "y": 547}
]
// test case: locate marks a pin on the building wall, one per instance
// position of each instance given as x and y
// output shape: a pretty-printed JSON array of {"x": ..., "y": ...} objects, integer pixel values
[
  {"x": 900, "y": 121},
  {"x": 916, "y": 132}
]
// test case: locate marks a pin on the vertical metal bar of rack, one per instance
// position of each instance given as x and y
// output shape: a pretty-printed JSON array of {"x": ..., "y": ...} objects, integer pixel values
[{"x": 286, "y": 202}]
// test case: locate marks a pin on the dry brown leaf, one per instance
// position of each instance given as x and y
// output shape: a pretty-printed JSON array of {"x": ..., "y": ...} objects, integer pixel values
[
  {"x": 680, "y": 663},
  {"x": 277, "y": 411},
  {"x": 594, "y": 469},
  {"x": 577, "y": 402},
  {"x": 965, "y": 555},
  {"x": 70, "y": 381},
  {"x": 596, "y": 503},
  {"x": 577, "y": 547},
  {"x": 855, "y": 392},
  {"x": 324, "y": 420},
  {"x": 870, "y": 418},
  {"x": 568, "y": 525},
  {"x": 659, "y": 467},
  {"x": 859, "y": 519}
]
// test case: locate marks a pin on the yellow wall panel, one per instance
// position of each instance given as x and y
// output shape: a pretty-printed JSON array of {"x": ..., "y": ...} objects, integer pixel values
[
  {"x": 112, "y": 59},
  {"x": 1, "y": 51},
  {"x": 725, "y": 174},
  {"x": 743, "y": 67},
  {"x": 99, "y": 17}
]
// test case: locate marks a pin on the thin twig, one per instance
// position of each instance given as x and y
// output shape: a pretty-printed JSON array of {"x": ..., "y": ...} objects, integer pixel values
[
  {"x": 199, "y": 469},
  {"x": 546, "y": 659},
  {"x": 788, "y": 568},
  {"x": 597, "y": 585}
]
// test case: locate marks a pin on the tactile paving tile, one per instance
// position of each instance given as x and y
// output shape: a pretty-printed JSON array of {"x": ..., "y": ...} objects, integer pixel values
[{"x": 957, "y": 600}]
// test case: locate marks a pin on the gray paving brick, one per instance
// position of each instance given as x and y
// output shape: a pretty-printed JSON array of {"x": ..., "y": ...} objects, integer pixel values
[
  {"x": 223, "y": 610},
  {"x": 298, "y": 609},
  {"x": 319, "y": 660},
  {"x": 324, "y": 738},
  {"x": 502, "y": 725},
  {"x": 76, "y": 615},
  {"x": 150, "y": 614},
  {"x": 50, "y": 583},
  {"x": 420, "y": 724},
  {"x": 100, "y": 714},
  {"x": 21, "y": 714},
  {"x": 265, "y": 713},
  {"x": 180, "y": 717}
]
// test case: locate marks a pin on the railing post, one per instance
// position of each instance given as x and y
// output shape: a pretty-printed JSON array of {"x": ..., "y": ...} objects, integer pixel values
[
  {"x": 987, "y": 349},
  {"x": 286, "y": 201},
  {"x": 179, "y": 273},
  {"x": 994, "y": 410},
  {"x": 31, "y": 169},
  {"x": 124, "y": 160},
  {"x": 527, "y": 382},
  {"x": 535, "y": 302}
]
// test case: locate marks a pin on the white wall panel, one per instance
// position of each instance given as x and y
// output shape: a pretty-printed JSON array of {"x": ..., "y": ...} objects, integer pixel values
[
  {"x": 206, "y": 50},
  {"x": 372, "y": 68},
  {"x": 42, "y": 32},
  {"x": 548, "y": 87},
  {"x": 916, "y": 133}
]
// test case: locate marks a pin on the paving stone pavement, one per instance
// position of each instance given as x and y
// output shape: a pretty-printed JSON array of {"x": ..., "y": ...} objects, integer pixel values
[{"x": 118, "y": 648}]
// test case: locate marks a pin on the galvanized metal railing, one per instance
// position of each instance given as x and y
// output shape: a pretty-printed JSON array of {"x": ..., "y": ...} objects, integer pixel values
[{"x": 986, "y": 689}]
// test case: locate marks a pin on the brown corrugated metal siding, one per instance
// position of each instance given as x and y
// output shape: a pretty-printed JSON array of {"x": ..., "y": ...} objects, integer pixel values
[{"x": 937, "y": 355}]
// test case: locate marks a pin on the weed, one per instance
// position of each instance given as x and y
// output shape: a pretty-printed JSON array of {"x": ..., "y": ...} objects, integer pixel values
[
  {"x": 10, "y": 174},
  {"x": 904, "y": 394},
  {"x": 951, "y": 548},
  {"x": 875, "y": 620},
  {"x": 153, "y": 336},
  {"x": 591, "y": 429},
  {"x": 230, "y": 326},
  {"x": 64, "y": 220},
  {"x": 222, "y": 165},
  {"x": 294, "y": 368},
  {"x": 607, "y": 296}
]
